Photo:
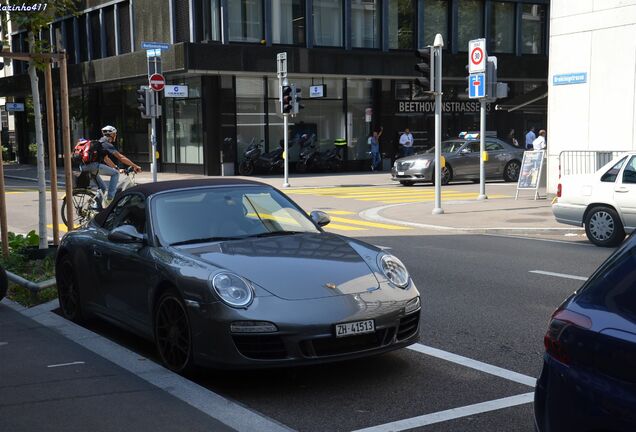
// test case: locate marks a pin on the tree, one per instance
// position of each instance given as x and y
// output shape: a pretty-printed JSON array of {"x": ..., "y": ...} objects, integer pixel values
[{"x": 33, "y": 16}]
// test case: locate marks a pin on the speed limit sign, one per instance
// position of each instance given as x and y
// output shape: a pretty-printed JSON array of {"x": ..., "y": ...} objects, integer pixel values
[{"x": 477, "y": 55}]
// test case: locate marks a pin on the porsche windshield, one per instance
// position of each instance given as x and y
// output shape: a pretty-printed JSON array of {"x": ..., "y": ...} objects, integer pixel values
[{"x": 225, "y": 213}]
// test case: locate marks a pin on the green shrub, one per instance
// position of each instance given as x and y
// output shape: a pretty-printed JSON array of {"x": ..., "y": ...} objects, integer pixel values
[{"x": 33, "y": 149}]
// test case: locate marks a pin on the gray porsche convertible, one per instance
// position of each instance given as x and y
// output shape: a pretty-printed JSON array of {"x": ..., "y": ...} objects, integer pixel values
[{"x": 230, "y": 273}]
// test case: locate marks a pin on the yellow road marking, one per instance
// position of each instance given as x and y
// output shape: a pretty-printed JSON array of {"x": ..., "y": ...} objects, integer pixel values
[
  {"x": 368, "y": 224},
  {"x": 61, "y": 227},
  {"x": 344, "y": 227},
  {"x": 401, "y": 196},
  {"x": 451, "y": 198},
  {"x": 339, "y": 212}
]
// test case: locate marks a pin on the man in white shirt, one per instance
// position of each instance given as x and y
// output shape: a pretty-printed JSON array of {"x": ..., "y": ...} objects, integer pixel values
[
  {"x": 539, "y": 142},
  {"x": 406, "y": 142},
  {"x": 530, "y": 137}
]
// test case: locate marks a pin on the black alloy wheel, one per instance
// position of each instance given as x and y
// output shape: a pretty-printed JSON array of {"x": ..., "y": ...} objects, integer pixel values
[
  {"x": 246, "y": 168},
  {"x": 68, "y": 290},
  {"x": 511, "y": 171},
  {"x": 172, "y": 333},
  {"x": 603, "y": 227}
]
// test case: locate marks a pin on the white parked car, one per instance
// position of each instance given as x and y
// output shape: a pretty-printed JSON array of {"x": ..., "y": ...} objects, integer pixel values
[{"x": 603, "y": 202}]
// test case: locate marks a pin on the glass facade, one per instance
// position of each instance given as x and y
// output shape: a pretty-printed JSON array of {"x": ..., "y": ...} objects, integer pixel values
[
  {"x": 401, "y": 24},
  {"x": 245, "y": 20},
  {"x": 435, "y": 19},
  {"x": 250, "y": 113},
  {"x": 328, "y": 22},
  {"x": 184, "y": 126},
  {"x": 359, "y": 118},
  {"x": 288, "y": 22},
  {"x": 215, "y": 19},
  {"x": 502, "y": 28},
  {"x": 532, "y": 29},
  {"x": 365, "y": 23},
  {"x": 470, "y": 22}
]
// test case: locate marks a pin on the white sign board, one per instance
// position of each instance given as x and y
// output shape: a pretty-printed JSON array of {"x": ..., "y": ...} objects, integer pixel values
[
  {"x": 14, "y": 106},
  {"x": 316, "y": 91},
  {"x": 176, "y": 91},
  {"x": 281, "y": 62},
  {"x": 477, "y": 55}
]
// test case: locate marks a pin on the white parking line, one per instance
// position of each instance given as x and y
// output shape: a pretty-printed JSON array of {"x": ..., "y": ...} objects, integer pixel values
[
  {"x": 561, "y": 275},
  {"x": 539, "y": 239},
  {"x": 451, "y": 414},
  {"x": 475, "y": 364},
  {"x": 65, "y": 364}
]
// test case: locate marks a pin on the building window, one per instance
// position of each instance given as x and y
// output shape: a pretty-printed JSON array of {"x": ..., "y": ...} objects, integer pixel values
[
  {"x": 83, "y": 38},
  {"x": 435, "y": 19},
  {"x": 365, "y": 24},
  {"x": 359, "y": 118},
  {"x": 502, "y": 28},
  {"x": 250, "y": 114},
  {"x": 95, "y": 29},
  {"x": 401, "y": 23},
  {"x": 245, "y": 20},
  {"x": 182, "y": 21},
  {"x": 288, "y": 22},
  {"x": 215, "y": 20},
  {"x": 470, "y": 22},
  {"x": 532, "y": 28},
  {"x": 327, "y": 15},
  {"x": 124, "y": 27},
  {"x": 68, "y": 34},
  {"x": 184, "y": 126},
  {"x": 109, "y": 26}
]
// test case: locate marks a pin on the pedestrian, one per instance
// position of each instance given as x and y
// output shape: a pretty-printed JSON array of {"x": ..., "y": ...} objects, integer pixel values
[
  {"x": 374, "y": 142},
  {"x": 539, "y": 142},
  {"x": 511, "y": 138},
  {"x": 530, "y": 137},
  {"x": 406, "y": 143}
]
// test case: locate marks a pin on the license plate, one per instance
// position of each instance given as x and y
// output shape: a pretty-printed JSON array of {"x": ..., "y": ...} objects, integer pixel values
[
  {"x": 400, "y": 172},
  {"x": 354, "y": 328}
]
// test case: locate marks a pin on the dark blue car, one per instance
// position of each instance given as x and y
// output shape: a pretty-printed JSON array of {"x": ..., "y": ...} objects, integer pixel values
[{"x": 588, "y": 382}]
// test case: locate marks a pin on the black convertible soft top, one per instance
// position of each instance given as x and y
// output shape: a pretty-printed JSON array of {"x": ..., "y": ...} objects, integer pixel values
[{"x": 148, "y": 189}]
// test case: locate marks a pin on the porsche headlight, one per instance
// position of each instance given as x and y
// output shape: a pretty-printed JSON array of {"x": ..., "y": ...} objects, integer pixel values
[
  {"x": 394, "y": 270},
  {"x": 422, "y": 163},
  {"x": 232, "y": 289}
]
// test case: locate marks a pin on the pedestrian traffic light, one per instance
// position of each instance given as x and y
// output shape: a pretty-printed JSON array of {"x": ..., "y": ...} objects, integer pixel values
[
  {"x": 296, "y": 98},
  {"x": 426, "y": 66},
  {"x": 286, "y": 99},
  {"x": 144, "y": 102}
]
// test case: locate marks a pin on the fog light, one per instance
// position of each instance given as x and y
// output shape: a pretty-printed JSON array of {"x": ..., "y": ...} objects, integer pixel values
[
  {"x": 252, "y": 327},
  {"x": 412, "y": 305}
]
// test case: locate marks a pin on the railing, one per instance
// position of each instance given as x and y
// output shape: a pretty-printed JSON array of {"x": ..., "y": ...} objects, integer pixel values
[{"x": 584, "y": 161}]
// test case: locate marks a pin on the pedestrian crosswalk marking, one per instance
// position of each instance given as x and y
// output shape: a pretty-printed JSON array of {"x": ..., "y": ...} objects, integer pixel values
[
  {"x": 339, "y": 212},
  {"x": 447, "y": 198},
  {"x": 368, "y": 224}
]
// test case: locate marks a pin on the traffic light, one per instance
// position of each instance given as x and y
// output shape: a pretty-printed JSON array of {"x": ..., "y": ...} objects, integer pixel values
[
  {"x": 296, "y": 98},
  {"x": 286, "y": 103},
  {"x": 426, "y": 66},
  {"x": 144, "y": 101}
]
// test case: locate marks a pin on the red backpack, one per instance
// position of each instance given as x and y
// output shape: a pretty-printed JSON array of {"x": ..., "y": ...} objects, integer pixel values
[{"x": 86, "y": 151}]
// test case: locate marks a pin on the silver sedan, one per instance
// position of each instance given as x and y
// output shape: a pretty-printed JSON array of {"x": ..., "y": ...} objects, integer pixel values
[{"x": 462, "y": 162}]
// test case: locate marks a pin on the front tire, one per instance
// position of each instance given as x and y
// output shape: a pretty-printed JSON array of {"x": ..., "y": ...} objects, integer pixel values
[
  {"x": 173, "y": 336},
  {"x": 603, "y": 227},
  {"x": 511, "y": 171},
  {"x": 246, "y": 168},
  {"x": 68, "y": 290}
]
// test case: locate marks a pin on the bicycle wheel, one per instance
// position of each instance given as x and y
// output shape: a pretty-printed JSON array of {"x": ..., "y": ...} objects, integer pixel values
[{"x": 83, "y": 199}]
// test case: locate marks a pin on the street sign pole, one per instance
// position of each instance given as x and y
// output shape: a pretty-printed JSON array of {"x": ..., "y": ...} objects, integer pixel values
[
  {"x": 153, "y": 137},
  {"x": 281, "y": 62},
  {"x": 438, "y": 44},
  {"x": 482, "y": 149}
]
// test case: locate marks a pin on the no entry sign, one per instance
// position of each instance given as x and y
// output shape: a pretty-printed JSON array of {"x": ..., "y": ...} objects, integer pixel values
[
  {"x": 477, "y": 55},
  {"x": 157, "y": 82}
]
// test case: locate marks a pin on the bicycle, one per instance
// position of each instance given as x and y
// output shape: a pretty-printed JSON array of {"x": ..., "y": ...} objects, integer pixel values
[{"x": 87, "y": 199}]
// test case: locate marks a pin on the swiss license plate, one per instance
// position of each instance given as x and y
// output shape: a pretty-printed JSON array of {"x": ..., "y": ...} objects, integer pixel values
[
  {"x": 400, "y": 172},
  {"x": 354, "y": 328}
]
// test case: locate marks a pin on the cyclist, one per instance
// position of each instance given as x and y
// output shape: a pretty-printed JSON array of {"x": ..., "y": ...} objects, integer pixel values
[{"x": 106, "y": 166}]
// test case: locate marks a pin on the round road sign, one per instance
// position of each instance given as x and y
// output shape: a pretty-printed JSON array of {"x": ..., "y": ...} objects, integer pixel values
[
  {"x": 157, "y": 82},
  {"x": 477, "y": 56}
]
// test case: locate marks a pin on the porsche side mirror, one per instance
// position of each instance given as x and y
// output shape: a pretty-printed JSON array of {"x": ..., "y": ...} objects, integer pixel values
[
  {"x": 320, "y": 218},
  {"x": 126, "y": 234}
]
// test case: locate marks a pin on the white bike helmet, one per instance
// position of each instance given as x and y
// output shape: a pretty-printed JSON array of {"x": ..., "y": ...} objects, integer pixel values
[{"x": 108, "y": 130}]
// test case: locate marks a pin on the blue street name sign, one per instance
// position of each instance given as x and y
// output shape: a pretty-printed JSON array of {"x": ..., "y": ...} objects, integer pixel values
[
  {"x": 571, "y": 78},
  {"x": 155, "y": 45},
  {"x": 477, "y": 86},
  {"x": 14, "y": 106}
]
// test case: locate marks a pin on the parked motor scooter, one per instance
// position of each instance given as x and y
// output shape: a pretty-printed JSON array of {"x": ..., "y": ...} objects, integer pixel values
[
  {"x": 310, "y": 158},
  {"x": 256, "y": 160}
]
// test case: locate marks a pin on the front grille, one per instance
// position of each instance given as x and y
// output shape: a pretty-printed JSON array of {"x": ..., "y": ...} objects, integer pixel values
[
  {"x": 260, "y": 347},
  {"x": 403, "y": 166},
  {"x": 408, "y": 326},
  {"x": 330, "y": 346}
]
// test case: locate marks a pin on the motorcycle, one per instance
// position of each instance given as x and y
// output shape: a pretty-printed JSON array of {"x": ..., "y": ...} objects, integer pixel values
[
  {"x": 254, "y": 159},
  {"x": 310, "y": 158}
]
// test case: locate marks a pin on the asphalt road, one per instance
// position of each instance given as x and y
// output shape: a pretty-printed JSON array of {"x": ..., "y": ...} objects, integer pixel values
[{"x": 480, "y": 301}]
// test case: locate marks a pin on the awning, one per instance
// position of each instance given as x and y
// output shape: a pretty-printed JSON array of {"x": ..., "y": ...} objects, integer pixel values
[{"x": 529, "y": 100}]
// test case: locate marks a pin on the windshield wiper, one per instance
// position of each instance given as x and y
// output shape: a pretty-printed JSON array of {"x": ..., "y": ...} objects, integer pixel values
[
  {"x": 204, "y": 240},
  {"x": 277, "y": 233}
]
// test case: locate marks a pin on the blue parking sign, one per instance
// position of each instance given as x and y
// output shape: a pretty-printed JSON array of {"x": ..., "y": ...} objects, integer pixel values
[{"x": 477, "y": 86}]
